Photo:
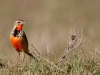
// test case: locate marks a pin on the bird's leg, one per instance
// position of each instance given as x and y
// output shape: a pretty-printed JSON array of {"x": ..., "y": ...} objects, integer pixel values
[
  {"x": 18, "y": 57},
  {"x": 23, "y": 56}
]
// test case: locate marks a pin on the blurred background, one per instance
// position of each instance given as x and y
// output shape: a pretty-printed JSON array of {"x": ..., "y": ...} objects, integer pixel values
[{"x": 48, "y": 22}]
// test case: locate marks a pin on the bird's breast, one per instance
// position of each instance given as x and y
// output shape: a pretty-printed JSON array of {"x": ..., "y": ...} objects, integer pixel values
[{"x": 16, "y": 42}]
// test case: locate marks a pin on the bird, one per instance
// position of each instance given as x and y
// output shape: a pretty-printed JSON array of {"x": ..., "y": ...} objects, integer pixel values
[{"x": 19, "y": 40}]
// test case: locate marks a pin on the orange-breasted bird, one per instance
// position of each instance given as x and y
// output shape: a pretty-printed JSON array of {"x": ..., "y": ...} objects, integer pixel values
[{"x": 19, "y": 40}]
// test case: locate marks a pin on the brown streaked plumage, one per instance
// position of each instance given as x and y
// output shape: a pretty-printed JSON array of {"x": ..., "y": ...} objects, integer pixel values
[{"x": 19, "y": 40}]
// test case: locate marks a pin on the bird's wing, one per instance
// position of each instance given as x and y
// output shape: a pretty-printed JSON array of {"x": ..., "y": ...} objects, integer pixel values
[{"x": 24, "y": 39}]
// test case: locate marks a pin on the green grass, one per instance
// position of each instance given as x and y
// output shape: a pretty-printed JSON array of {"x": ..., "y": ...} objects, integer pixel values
[{"x": 80, "y": 64}]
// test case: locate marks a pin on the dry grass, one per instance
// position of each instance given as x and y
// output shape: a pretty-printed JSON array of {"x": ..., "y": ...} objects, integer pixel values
[{"x": 79, "y": 64}]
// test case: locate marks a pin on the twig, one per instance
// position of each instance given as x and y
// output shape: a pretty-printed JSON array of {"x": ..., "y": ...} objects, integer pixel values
[
  {"x": 74, "y": 42},
  {"x": 37, "y": 52}
]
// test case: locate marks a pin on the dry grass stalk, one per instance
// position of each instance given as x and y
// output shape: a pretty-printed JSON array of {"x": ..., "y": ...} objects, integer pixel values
[
  {"x": 39, "y": 55},
  {"x": 75, "y": 40}
]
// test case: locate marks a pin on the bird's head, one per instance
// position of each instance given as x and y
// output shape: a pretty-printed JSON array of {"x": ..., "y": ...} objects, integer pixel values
[{"x": 18, "y": 25}]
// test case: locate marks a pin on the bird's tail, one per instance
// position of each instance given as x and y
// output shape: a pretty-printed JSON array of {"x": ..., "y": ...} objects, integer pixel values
[{"x": 31, "y": 56}]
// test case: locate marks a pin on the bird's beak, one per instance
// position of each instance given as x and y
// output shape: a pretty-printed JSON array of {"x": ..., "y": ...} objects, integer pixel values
[{"x": 24, "y": 22}]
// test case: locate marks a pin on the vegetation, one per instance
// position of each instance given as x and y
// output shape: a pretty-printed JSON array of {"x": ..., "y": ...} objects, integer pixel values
[{"x": 79, "y": 64}]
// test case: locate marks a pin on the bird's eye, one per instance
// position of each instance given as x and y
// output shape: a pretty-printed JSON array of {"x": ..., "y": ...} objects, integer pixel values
[{"x": 18, "y": 22}]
